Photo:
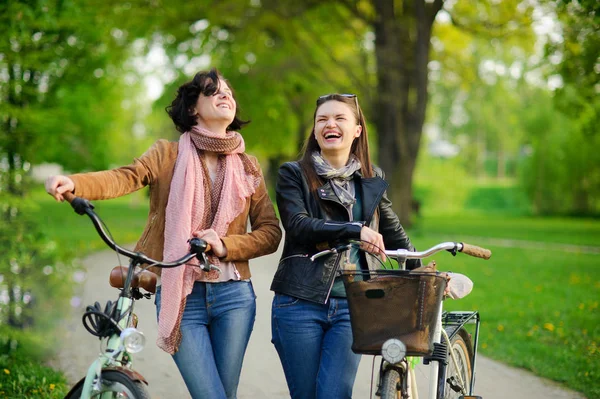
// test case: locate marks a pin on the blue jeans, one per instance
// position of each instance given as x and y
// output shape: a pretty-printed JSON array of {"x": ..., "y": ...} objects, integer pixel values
[
  {"x": 216, "y": 327},
  {"x": 314, "y": 345}
]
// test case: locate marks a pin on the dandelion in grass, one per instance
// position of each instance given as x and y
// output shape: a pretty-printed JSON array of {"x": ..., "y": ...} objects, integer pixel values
[
  {"x": 6, "y": 371},
  {"x": 549, "y": 327},
  {"x": 500, "y": 327},
  {"x": 52, "y": 386},
  {"x": 532, "y": 330}
]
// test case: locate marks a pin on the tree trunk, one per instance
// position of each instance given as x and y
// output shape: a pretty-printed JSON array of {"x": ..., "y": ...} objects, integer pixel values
[
  {"x": 402, "y": 43},
  {"x": 501, "y": 158}
]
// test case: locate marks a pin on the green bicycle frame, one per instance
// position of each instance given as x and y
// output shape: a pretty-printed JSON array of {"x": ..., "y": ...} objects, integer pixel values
[{"x": 115, "y": 351}]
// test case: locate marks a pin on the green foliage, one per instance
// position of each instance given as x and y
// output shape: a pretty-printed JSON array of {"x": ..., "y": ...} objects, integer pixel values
[
  {"x": 562, "y": 174},
  {"x": 29, "y": 268},
  {"x": 61, "y": 84},
  {"x": 34, "y": 295},
  {"x": 497, "y": 198},
  {"x": 479, "y": 58},
  {"x": 21, "y": 375},
  {"x": 22, "y": 349}
]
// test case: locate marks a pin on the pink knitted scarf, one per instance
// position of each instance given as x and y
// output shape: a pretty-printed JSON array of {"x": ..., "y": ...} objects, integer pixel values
[{"x": 184, "y": 216}]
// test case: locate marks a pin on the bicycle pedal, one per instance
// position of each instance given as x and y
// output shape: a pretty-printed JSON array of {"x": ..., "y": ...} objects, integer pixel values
[{"x": 453, "y": 384}]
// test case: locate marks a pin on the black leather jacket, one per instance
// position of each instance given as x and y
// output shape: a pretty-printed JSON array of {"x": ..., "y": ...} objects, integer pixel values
[{"x": 308, "y": 226}]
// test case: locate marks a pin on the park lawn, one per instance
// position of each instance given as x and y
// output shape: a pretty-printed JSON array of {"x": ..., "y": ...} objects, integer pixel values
[
  {"x": 539, "y": 307},
  {"x": 125, "y": 218},
  {"x": 559, "y": 230},
  {"x": 21, "y": 374}
]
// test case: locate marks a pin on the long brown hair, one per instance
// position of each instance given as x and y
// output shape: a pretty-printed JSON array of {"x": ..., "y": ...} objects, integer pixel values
[{"x": 360, "y": 146}]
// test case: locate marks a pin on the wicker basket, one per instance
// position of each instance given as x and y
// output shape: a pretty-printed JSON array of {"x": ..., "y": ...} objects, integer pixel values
[{"x": 398, "y": 304}]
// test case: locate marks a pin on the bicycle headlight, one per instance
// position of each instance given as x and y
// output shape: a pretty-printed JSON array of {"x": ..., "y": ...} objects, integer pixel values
[
  {"x": 133, "y": 340},
  {"x": 393, "y": 350}
]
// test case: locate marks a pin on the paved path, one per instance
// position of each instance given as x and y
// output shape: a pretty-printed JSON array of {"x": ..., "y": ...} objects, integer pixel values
[{"x": 262, "y": 376}]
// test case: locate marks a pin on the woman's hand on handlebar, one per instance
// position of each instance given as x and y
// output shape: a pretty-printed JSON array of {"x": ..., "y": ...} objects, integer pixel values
[
  {"x": 372, "y": 242},
  {"x": 213, "y": 239},
  {"x": 57, "y": 185}
]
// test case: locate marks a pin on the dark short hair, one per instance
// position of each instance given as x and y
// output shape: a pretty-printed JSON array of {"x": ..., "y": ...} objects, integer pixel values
[{"x": 204, "y": 82}]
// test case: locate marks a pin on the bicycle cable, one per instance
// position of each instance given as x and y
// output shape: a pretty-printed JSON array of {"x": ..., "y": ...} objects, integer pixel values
[
  {"x": 109, "y": 234},
  {"x": 383, "y": 264}
]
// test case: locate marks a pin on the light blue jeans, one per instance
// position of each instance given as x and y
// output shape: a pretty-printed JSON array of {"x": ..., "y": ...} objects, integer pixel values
[
  {"x": 216, "y": 326},
  {"x": 314, "y": 345}
]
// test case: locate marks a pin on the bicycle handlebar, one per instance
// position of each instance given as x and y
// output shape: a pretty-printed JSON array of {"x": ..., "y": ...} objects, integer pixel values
[
  {"x": 403, "y": 254},
  {"x": 198, "y": 247}
]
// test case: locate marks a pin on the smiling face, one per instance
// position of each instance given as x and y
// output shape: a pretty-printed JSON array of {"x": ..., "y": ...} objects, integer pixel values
[
  {"x": 216, "y": 110},
  {"x": 336, "y": 128}
]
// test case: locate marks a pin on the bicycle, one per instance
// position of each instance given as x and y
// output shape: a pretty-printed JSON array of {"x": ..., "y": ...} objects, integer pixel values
[
  {"x": 112, "y": 375},
  {"x": 398, "y": 314}
]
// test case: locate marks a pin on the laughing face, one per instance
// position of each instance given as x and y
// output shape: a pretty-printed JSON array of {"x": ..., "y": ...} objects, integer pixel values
[
  {"x": 336, "y": 128},
  {"x": 216, "y": 109}
]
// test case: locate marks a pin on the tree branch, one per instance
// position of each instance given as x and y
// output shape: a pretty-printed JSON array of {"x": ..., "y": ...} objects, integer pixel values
[
  {"x": 488, "y": 31},
  {"x": 351, "y": 6},
  {"x": 433, "y": 9}
]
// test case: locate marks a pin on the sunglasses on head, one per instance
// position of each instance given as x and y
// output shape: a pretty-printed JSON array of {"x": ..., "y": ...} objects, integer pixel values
[
  {"x": 332, "y": 95},
  {"x": 325, "y": 97}
]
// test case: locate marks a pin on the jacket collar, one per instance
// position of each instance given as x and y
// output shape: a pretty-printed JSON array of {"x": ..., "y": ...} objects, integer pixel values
[{"x": 372, "y": 191}]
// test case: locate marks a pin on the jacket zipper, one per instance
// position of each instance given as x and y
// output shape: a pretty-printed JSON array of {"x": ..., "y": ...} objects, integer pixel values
[
  {"x": 337, "y": 261},
  {"x": 294, "y": 256},
  {"x": 337, "y": 224},
  {"x": 148, "y": 231}
]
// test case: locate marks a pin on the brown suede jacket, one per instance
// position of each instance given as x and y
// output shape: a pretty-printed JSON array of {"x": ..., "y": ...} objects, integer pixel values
[{"x": 155, "y": 168}]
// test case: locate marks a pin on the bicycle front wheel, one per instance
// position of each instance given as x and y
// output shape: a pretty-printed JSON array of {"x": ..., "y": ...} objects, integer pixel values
[
  {"x": 463, "y": 367},
  {"x": 114, "y": 385},
  {"x": 390, "y": 384}
]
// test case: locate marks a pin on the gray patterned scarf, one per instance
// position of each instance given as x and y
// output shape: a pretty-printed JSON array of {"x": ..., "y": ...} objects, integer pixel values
[{"x": 339, "y": 178}]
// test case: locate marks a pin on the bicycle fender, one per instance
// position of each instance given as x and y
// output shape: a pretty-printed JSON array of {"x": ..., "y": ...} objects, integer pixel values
[{"x": 132, "y": 374}]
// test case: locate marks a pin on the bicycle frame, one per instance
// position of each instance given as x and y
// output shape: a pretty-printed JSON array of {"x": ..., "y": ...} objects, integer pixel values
[
  {"x": 446, "y": 321},
  {"x": 457, "y": 320},
  {"x": 113, "y": 354},
  {"x": 445, "y": 327}
]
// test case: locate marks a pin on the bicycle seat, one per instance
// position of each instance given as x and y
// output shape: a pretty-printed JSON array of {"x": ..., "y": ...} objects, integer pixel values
[{"x": 146, "y": 279}]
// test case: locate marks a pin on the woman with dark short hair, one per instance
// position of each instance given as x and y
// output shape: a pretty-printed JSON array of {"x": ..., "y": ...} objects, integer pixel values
[{"x": 203, "y": 186}]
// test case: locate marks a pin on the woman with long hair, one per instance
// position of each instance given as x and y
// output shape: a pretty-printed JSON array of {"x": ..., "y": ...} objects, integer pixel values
[{"x": 333, "y": 193}]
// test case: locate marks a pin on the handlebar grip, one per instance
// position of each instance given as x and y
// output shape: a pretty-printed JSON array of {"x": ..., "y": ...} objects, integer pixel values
[
  {"x": 198, "y": 246},
  {"x": 69, "y": 196},
  {"x": 80, "y": 205},
  {"x": 476, "y": 251}
]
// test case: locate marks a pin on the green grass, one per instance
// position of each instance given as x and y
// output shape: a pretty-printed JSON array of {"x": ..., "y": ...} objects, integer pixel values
[
  {"x": 571, "y": 231},
  {"x": 21, "y": 374},
  {"x": 539, "y": 307},
  {"x": 125, "y": 218}
]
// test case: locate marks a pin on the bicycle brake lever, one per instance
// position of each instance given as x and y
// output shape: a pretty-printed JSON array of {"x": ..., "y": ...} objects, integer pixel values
[{"x": 213, "y": 267}]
